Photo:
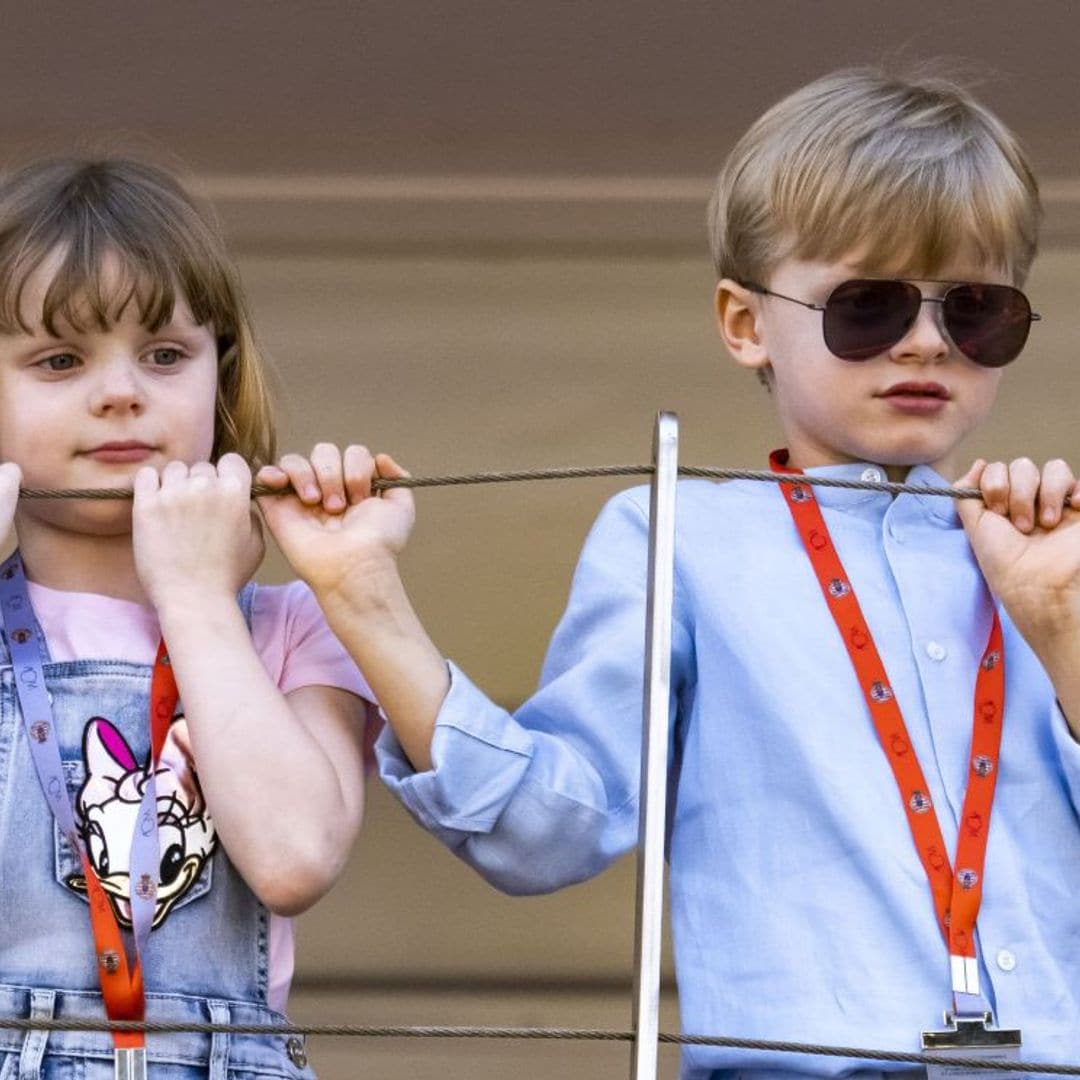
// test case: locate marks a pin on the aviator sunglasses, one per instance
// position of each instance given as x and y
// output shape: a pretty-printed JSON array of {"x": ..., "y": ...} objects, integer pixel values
[{"x": 862, "y": 318}]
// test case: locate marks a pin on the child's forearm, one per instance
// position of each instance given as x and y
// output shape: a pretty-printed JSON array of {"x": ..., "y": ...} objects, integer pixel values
[
  {"x": 371, "y": 615},
  {"x": 287, "y": 807},
  {"x": 343, "y": 541}
]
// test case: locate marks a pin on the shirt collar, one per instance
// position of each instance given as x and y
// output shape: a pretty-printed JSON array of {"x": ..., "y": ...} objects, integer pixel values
[{"x": 939, "y": 508}]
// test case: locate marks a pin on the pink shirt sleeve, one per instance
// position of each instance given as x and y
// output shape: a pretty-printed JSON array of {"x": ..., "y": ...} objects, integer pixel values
[
  {"x": 298, "y": 649},
  {"x": 295, "y": 644}
]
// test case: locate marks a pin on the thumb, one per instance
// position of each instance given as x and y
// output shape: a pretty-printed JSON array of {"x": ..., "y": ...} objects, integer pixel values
[
  {"x": 386, "y": 468},
  {"x": 971, "y": 510}
]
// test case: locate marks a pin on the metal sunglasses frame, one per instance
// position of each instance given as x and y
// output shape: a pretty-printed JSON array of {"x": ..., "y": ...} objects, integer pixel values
[{"x": 1033, "y": 316}]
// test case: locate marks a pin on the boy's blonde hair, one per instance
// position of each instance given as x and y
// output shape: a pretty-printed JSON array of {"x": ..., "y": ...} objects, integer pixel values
[
  {"x": 91, "y": 212},
  {"x": 908, "y": 173}
]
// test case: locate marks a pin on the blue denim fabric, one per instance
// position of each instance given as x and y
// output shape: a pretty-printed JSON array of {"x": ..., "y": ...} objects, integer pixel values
[{"x": 206, "y": 962}]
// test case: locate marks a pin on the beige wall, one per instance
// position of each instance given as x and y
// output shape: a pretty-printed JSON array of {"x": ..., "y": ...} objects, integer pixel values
[{"x": 473, "y": 236}]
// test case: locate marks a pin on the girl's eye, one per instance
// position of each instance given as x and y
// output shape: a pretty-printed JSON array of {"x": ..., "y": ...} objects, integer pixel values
[
  {"x": 166, "y": 357},
  {"x": 59, "y": 362}
]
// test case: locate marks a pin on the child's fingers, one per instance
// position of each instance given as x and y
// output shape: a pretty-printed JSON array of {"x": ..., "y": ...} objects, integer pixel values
[
  {"x": 973, "y": 477},
  {"x": 1024, "y": 480},
  {"x": 994, "y": 485},
  {"x": 10, "y": 479},
  {"x": 302, "y": 477},
  {"x": 203, "y": 469},
  {"x": 146, "y": 482},
  {"x": 174, "y": 473},
  {"x": 326, "y": 461},
  {"x": 387, "y": 468},
  {"x": 969, "y": 509},
  {"x": 10, "y": 476},
  {"x": 272, "y": 476},
  {"x": 359, "y": 466},
  {"x": 1058, "y": 481},
  {"x": 235, "y": 471}
]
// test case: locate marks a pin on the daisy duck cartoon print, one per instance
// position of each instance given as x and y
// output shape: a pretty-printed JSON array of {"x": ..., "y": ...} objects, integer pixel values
[{"x": 107, "y": 808}]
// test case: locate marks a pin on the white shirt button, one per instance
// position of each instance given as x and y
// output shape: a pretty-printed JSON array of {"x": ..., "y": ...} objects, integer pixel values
[
  {"x": 1006, "y": 960},
  {"x": 936, "y": 651},
  {"x": 873, "y": 475}
]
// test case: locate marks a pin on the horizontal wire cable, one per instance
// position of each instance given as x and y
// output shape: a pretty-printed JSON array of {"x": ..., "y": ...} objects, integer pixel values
[
  {"x": 573, "y": 472},
  {"x": 578, "y": 1034},
  {"x": 380, "y": 484}
]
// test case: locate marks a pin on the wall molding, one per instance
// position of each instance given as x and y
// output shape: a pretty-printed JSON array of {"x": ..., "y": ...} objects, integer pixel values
[{"x": 497, "y": 215}]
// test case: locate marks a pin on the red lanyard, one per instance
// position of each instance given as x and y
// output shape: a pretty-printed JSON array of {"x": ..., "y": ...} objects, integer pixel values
[
  {"x": 957, "y": 896},
  {"x": 121, "y": 985}
]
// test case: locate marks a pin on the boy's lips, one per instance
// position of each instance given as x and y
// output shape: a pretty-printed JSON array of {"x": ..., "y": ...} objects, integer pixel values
[{"x": 917, "y": 398}]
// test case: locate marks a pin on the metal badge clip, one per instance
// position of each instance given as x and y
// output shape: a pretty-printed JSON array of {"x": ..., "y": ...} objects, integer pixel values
[
  {"x": 130, "y": 1063},
  {"x": 971, "y": 1033},
  {"x": 971, "y": 1036}
]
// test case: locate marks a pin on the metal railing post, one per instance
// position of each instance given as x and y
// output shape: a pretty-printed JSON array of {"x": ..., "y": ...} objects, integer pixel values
[{"x": 654, "y": 749}]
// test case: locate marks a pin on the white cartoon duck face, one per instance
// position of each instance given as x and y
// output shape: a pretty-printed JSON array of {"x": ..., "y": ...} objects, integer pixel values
[{"x": 108, "y": 806}]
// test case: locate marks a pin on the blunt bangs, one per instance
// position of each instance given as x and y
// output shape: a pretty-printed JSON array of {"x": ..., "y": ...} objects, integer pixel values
[
  {"x": 906, "y": 177},
  {"x": 120, "y": 234}
]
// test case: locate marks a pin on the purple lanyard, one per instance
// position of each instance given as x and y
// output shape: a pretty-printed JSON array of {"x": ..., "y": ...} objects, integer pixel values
[{"x": 27, "y": 644}]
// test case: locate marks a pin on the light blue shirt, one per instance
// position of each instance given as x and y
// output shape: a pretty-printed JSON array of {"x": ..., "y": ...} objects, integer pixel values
[{"x": 799, "y": 907}]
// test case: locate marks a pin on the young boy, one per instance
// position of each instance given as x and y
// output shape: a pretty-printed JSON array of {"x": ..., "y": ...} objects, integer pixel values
[{"x": 830, "y": 809}]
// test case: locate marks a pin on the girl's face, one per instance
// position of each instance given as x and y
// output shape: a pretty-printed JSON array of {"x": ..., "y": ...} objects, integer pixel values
[{"x": 88, "y": 408}]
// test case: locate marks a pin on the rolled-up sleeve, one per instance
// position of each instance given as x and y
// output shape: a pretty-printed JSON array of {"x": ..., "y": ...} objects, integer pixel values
[{"x": 547, "y": 796}]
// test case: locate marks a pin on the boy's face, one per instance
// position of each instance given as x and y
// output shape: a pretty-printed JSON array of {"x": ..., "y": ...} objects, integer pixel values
[{"x": 911, "y": 404}]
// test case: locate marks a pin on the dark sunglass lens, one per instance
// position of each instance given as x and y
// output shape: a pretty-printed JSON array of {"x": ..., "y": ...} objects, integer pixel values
[
  {"x": 988, "y": 323},
  {"x": 864, "y": 318}
]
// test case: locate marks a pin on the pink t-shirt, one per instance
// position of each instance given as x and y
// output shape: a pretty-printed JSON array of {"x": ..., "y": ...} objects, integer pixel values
[{"x": 290, "y": 635}]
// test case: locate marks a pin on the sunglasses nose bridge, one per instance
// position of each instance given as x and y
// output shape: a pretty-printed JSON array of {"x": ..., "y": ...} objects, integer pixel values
[
  {"x": 936, "y": 314},
  {"x": 926, "y": 333}
]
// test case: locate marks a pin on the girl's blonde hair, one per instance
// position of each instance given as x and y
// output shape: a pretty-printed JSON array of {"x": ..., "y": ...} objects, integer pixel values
[
  {"x": 908, "y": 173},
  {"x": 94, "y": 214}
]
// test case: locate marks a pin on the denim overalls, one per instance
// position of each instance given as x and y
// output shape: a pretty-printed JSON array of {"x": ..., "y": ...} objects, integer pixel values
[{"x": 205, "y": 963}]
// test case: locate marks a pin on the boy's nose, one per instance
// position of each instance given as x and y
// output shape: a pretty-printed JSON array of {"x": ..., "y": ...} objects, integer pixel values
[{"x": 926, "y": 341}]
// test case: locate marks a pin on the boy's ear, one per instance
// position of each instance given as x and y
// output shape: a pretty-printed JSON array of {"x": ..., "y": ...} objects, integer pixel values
[{"x": 738, "y": 320}]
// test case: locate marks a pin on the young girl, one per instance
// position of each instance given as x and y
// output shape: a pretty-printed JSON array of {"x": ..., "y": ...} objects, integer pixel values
[{"x": 127, "y": 360}]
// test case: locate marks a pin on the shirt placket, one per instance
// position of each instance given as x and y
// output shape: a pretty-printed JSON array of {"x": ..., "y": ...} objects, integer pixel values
[{"x": 945, "y": 645}]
